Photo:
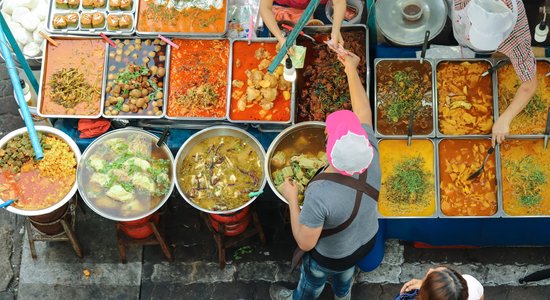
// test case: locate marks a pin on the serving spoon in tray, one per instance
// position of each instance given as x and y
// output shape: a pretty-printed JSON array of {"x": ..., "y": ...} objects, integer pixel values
[
  {"x": 410, "y": 128},
  {"x": 480, "y": 170}
]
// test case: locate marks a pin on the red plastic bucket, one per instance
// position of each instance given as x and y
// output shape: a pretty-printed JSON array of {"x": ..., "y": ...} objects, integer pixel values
[
  {"x": 139, "y": 229},
  {"x": 232, "y": 217},
  {"x": 233, "y": 223},
  {"x": 49, "y": 224}
]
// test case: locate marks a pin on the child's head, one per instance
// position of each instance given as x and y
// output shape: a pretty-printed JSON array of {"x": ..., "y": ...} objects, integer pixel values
[{"x": 443, "y": 283}]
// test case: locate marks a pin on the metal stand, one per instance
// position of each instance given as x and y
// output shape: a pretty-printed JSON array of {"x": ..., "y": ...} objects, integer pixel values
[
  {"x": 156, "y": 239},
  {"x": 224, "y": 242},
  {"x": 67, "y": 221}
]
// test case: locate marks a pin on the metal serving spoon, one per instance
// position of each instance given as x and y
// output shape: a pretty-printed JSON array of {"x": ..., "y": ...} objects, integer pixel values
[{"x": 478, "y": 172}]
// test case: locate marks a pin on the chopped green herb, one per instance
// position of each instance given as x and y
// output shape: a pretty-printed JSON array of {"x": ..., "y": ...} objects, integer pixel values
[{"x": 408, "y": 182}]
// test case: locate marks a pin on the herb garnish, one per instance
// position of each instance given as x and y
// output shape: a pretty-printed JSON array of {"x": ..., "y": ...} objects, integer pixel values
[
  {"x": 527, "y": 179},
  {"x": 408, "y": 182}
]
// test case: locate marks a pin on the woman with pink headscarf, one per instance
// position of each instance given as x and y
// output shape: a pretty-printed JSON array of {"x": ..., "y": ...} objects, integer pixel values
[{"x": 338, "y": 223}]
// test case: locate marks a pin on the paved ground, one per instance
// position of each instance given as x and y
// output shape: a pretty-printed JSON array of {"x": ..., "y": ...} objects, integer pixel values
[{"x": 194, "y": 274}]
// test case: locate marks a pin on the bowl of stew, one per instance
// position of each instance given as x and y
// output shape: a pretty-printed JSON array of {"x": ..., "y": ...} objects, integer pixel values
[
  {"x": 218, "y": 167},
  {"x": 38, "y": 186}
]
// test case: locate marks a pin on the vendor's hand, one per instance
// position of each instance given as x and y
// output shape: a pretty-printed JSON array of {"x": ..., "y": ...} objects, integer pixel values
[
  {"x": 290, "y": 190},
  {"x": 281, "y": 43},
  {"x": 336, "y": 37},
  {"x": 350, "y": 61},
  {"x": 412, "y": 284},
  {"x": 501, "y": 128}
]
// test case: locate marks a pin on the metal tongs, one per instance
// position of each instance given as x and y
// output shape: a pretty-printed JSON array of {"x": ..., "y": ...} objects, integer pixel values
[
  {"x": 288, "y": 27},
  {"x": 410, "y": 128},
  {"x": 547, "y": 130},
  {"x": 478, "y": 172},
  {"x": 492, "y": 69}
]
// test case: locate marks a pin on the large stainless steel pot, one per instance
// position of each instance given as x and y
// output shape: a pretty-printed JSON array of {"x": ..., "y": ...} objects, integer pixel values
[
  {"x": 208, "y": 133},
  {"x": 82, "y": 185},
  {"x": 275, "y": 146},
  {"x": 60, "y": 134}
]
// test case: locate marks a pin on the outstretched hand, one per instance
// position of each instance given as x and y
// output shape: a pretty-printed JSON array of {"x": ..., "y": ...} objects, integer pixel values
[
  {"x": 290, "y": 190},
  {"x": 349, "y": 60}
]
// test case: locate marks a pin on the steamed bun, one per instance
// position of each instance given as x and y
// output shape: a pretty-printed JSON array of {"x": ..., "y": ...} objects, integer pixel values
[
  {"x": 19, "y": 14},
  {"x": 41, "y": 10},
  {"x": 31, "y": 49},
  {"x": 30, "y": 22}
]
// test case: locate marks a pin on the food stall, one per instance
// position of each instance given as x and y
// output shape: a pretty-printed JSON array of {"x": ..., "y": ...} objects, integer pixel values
[{"x": 221, "y": 105}]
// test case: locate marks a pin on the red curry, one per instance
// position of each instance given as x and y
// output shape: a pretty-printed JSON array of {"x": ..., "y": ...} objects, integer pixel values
[
  {"x": 153, "y": 17},
  {"x": 198, "y": 78}
]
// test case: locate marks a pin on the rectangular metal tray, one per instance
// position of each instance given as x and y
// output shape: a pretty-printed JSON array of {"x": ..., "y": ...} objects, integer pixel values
[
  {"x": 436, "y": 95},
  {"x": 43, "y": 80},
  {"x": 380, "y": 135},
  {"x": 228, "y": 88},
  {"x": 92, "y": 31},
  {"x": 435, "y": 178},
  {"x": 185, "y": 34},
  {"x": 263, "y": 122},
  {"x": 500, "y": 186},
  {"x": 106, "y": 80},
  {"x": 496, "y": 103},
  {"x": 440, "y": 213},
  {"x": 327, "y": 29}
]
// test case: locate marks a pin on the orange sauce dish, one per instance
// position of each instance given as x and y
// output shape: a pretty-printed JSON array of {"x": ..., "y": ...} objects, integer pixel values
[
  {"x": 532, "y": 118},
  {"x": 154, "y": 17},
  {"x": 465, "y": 99},
  {"x": 458, "y": 159},
  {"x": 75, "y": 62},
  {"x": 198, "y": 79},
  {"x": 525, "y": 178},
  {"x": 408, "y": 188},
  {"x": 257, "y": 95}
]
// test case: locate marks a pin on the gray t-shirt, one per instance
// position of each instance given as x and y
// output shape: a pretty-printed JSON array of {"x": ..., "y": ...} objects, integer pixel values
[{"x": 330, "y": 204}]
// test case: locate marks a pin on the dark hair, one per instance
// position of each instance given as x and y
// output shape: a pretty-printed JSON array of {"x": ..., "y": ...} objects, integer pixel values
[{"x": 443, "y": 284}]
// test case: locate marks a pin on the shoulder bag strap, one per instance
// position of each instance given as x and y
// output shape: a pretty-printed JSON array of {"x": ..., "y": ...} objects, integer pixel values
[{"x": 357, "y": 184}]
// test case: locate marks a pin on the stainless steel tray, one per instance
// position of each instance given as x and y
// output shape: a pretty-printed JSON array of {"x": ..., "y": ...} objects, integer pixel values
[
  {"x": 228, "y": 88},
  {"x": 501, "y": 186},
  {"x": 186, "y": 34},
  {"x": 292, "y": 89},
  {"x": 498, "y": 213},
  {"x": 439, "y": 134},
  {"x": 380, "y": 135},
  {"x": 43, "y": 83},
  {"x": 174, "y": 124},
  {"x": 327, "y": 29},
  {"x": 496, "y": 103},
  {"x": 91, "y": 31},
  {"x": 106, "y": 81},
  {"x": 435, "y": 179}
]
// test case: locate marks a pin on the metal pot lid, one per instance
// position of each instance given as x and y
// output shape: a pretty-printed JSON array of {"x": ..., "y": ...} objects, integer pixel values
[
  {"x": 124, "y": 176},
  {"x": 393, "y": 25}
]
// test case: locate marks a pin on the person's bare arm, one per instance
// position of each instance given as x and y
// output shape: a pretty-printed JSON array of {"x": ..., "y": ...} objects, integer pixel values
[
  {"x": 359, "y": 100},
  {"x": 523, "y": 95},
  {"x": 337, "y": 20},
  {"x": 269, "y": 20}
]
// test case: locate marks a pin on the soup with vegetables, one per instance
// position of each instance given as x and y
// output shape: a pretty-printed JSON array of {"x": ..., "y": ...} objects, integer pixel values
[
  {"x": 219, "y": 172},
  {"x": 299, "y": 156},
  {"x": 458, "y": 159},
  {"x": 126, "y": 175},
  {"x": 36, "y": 185},
  {"x": 407, "y": 178},
  {"x": 532, "y": 118},
  {"x": 525, "y": 178}
]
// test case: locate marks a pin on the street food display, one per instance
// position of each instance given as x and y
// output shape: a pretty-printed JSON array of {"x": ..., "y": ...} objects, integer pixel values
[
  {"x": 532, "y": 118},
  {"x": 408, "y": 176},
  {"x": 198, "y": 79},
  {"x": 193, "y": 17},
  {"x": 298, "y": 156},
  {"x": 219, "y": 172},
  {"x": 72, "y": 77},
  {"x": 458, "y": 159},
  {"x": 257, "y": 95},
  {"x": 136, "y": 77},
  {"x": 36, "y": 184},
  {"x": 92, "y": 17},
  {"x": 525, "y": 178},
  {"x": 322, "y": 84},
  {"x": 464, "y": 98},
  {"x": 125, "y": 175},
  {"x": 403, "y": 86}
]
